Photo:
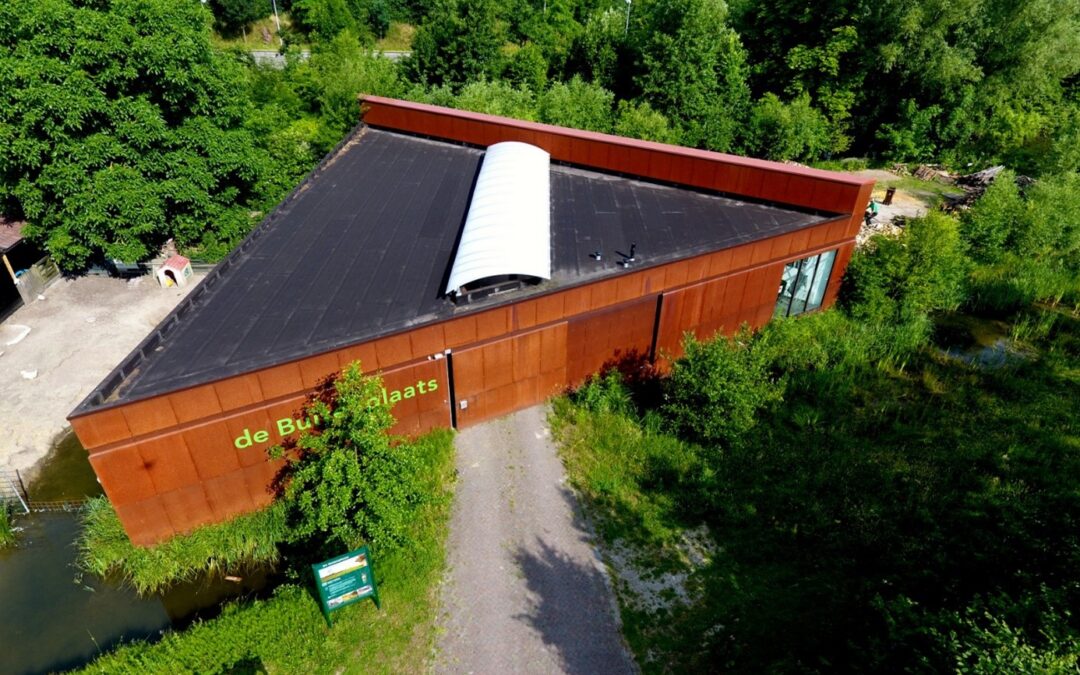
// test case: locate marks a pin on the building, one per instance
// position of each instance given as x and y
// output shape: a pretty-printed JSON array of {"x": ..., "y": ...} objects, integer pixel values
[{"x": 390, "y": 253}]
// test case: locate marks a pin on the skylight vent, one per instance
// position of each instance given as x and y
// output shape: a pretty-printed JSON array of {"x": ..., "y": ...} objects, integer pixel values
[{"x": 506, "y": 242}]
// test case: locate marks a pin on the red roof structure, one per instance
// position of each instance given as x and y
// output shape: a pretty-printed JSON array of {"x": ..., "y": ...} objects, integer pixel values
[{"x": 10, "y": 233}]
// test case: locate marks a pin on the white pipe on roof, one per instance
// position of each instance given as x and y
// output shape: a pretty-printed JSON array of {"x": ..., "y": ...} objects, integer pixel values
[{"x": 508, "y": 227}]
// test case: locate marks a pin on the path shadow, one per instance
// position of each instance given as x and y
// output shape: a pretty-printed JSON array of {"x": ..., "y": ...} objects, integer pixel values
[{"x": 573, "y": 607}]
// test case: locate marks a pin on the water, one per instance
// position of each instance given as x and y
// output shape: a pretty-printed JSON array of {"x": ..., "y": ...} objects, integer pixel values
[
  {"x": 54, "y": 618},
  {"x": 976, "y": 340}
]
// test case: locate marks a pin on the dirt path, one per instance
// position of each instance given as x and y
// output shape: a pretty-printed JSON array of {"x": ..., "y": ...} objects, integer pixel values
[
  {"x": 525, "y": 592},
  {"x": 77, "y": 334}
]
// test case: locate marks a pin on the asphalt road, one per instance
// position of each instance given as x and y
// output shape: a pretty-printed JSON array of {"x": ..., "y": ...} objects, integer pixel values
[{"x": 525, "y": 590}]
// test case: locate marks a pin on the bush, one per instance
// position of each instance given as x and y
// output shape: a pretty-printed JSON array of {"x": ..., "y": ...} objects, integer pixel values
[
  {"x": 605, "y": 394},
  {"x": 347, "y": 483},
  {"x": 324, "y": 19},
  {"x": 232, "y": 15},
  {"x": 716, "y": 390},
  {"x": 900, "y": 281},
  {"x": 577, "y": 104}
]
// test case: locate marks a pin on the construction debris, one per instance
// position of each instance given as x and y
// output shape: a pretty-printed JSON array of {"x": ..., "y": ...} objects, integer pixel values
[{"x": 934, "y": 173}]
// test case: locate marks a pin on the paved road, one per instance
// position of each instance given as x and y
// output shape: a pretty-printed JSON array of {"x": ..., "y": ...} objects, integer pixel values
[{"x": 525, "y": 590}]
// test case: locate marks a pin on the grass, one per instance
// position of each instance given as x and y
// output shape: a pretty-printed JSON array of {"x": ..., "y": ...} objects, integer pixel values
[
  {"x": 245, "y": 541},
  {"x": 252, "y": 40},
  {"x": 287, "y": 632},
  {"x": 861, "y": 518},
  {"x": 398, "y": 38},
  {"x": 7, "y": 529}
]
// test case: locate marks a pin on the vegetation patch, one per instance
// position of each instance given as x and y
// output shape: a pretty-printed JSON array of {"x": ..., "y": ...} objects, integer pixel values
[
  {"x": 8, "y": 535},
  {"x": 348, "y": 483},
  {"x": 250, "y": 540},
  {"x": 867, "y": 488}
]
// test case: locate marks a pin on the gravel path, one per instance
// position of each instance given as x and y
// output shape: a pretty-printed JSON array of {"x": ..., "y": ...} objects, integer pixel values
[{"x": 525, "y": 591}]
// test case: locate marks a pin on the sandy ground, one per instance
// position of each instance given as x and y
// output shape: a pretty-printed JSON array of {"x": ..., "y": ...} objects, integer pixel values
[
  {"x": 526, "y": 591},
  {"x": 904, "y": 205},
  {"x": 77, "y": 334}
]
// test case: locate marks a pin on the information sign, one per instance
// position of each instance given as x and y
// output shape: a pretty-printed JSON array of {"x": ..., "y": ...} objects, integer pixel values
[{"x": 344, "y": 580}]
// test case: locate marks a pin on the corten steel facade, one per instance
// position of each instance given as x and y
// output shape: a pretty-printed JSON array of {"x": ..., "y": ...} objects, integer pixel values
[{"x": 177, "y": 432}]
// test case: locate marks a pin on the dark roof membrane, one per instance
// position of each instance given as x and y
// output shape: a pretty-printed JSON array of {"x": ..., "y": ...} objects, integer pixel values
[{"x": 364, "y": 250}]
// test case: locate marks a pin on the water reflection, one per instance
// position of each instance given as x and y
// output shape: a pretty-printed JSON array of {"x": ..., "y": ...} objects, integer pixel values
[{"x": 54, "y": 618}]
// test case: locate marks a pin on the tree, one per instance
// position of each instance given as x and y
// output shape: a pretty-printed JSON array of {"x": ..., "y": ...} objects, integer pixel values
[
  {"x": 341, "y": 70},
  {"x": 123, "y": 127},
  {"x": 346, "y": 482},
  {"x": 780, "y": 131},
  {"x": 497, "y": 98},
  {"x": 577, "y": 104},
  {"x": 716, "y": 390},
  {"x": 458, "y": 42},
  {"x": 232, "y": 15},
  {"x": 639, "y": 120},
  {"x": 325, "y": 19},
  {"x": 695, "y": 71}
]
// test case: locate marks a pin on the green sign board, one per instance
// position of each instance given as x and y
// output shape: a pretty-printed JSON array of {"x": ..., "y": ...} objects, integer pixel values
[{"x": 344, "y": 580}]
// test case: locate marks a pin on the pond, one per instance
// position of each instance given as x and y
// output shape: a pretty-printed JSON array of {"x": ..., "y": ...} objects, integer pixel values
[
  {"x": 978, "y": 341},
  {"x": 53, "y": 617}
]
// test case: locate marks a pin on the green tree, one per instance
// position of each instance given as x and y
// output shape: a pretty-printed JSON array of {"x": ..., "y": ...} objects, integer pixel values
[
  {"x": 695, "y": 70},
  {"x": 528, "y": 67},
  {"x": 323, "y": 20},
  {"x": 639, "y": 120},
  {"x": 900, "y": 281},
  {"x": 497, "y": 98},
  {"x": 123, "y": 127},
  {"x": 347, "y": 482},
  {"x": 577, "y": 104},
  {"x": 780, "y": 131},
  {"x": 340, "y": 71},
  {"x": 458, "y": 42}
]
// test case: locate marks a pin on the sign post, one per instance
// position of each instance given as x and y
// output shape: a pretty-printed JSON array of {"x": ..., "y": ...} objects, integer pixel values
[{"x": 344, "y": 580}]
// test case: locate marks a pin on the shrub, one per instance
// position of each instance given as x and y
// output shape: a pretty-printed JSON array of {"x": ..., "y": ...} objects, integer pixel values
[
  {"x": 716, "y": 390},
  {"x": 900, "y": 281},
  {"x": 605, "y": 394},
  {"x": 348, "y": 483}
]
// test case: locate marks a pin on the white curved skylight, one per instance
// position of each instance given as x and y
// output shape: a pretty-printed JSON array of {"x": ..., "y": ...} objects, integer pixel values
[{"x": 508, "y": 227}]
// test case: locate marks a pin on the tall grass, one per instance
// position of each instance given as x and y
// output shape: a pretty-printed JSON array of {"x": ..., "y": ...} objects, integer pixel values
[
  {"x": 7, "y": 529},
  {"x": 105, "y": 550}
]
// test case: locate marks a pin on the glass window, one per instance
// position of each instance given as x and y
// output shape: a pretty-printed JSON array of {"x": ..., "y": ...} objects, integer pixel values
[
  {"x": 821, "y": 280},
  {"x": 803, "y": 284},
  {"x": 787, "y": 288}
]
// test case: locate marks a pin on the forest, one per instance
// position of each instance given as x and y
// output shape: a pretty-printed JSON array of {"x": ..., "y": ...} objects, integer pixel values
[{"x": 129, "y": 122}]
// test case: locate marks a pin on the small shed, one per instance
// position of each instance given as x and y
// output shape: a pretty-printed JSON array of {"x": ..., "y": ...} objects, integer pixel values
[{"x": 175, "y": 271}]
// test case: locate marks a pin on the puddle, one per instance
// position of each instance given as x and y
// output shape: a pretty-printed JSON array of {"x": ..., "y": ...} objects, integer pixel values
[
  {"x": 976, "y": 340},
  {"x": 54, "y": 618}
]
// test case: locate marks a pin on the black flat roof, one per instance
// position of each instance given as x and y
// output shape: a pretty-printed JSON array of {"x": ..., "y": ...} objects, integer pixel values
[{"x": 363, "y": 249}]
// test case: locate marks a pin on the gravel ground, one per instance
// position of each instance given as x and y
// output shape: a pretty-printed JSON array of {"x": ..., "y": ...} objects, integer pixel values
[
  {"x": 77, "y": 334},
  {"x": 525, "y": 591}
]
